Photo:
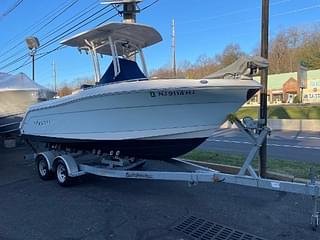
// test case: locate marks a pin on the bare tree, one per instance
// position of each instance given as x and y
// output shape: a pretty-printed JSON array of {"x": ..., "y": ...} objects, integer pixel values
[
  {"x": 287, "y": 49},
  {"x": 278, "y": 56},
  {"x": 204, "y": 66},
  {"x": 229, "y": 55},
  {"x": 310, "y": 53},
  {"x": 64, "y": 91},
  {"x": 292, "y": 46}
]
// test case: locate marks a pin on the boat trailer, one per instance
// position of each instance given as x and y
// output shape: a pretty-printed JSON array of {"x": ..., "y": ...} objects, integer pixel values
[{"x": 67, "y": 165}]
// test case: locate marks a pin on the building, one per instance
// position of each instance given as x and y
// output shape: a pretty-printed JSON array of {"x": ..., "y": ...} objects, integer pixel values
[{"x": 285, "y": 88}]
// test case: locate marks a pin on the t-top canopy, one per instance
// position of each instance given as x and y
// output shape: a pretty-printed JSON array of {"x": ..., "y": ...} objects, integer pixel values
[{"x": 125, "y": 36}]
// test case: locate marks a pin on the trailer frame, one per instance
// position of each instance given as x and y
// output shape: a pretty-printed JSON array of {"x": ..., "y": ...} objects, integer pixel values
[{"x": 67, "y": 165}]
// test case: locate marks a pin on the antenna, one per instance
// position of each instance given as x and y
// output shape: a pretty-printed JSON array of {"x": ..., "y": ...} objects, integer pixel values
[
  {"x": 119, "y": 1},
  {"x": 129, "y": 11},
  {"x": 54, "y": 76},
  {"x": 173, "y": 49}
]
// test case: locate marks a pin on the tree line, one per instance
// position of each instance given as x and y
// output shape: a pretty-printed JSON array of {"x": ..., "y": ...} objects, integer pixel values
[
  {"x": 287, "y": 50},
  {"x": 68, "y": 88}
]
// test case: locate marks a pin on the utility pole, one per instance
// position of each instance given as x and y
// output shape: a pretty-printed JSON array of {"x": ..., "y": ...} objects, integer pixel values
[
  {"x": 33, "y": 53},
  {"x": 173, "y": 49},
  {"x": 54, "y": 76},
  {"x": 264, "y": 83}
]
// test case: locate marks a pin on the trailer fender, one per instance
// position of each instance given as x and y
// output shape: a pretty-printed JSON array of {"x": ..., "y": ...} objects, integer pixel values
[
  {"x": 49, "y": 156},
  {"x": 72, "y": 166}
]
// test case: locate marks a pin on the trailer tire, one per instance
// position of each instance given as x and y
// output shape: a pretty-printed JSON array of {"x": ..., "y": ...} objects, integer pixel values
[
  {"x": 43, "y": 168},
  {"x": 62, "y": 175}
]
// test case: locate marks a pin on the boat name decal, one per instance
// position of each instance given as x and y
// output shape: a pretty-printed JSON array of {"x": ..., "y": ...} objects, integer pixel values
[
  {"x": 41, "y": 123},
  {"x": 138, "y": 175},
  {"x": 169, "y": 93}
]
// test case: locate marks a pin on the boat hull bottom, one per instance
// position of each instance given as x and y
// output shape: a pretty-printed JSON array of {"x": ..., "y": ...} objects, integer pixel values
[{"x": 144, "y": 149}]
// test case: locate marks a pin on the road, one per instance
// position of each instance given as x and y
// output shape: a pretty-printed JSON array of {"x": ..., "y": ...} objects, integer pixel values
[
  {"x": 104, "y": 208},
  {"x": 287, "y": 145}
]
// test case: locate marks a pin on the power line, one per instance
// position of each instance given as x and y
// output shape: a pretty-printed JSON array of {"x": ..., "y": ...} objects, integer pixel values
[
  {"x": 33, "y": 26},
  {"x": 43, "y": 26},
  {"x": 57, "y": 38},
  {"x": 70, "y": 20},
  {"x": 279, "y": 2},
  {"x": 151, "y": 4},
  {"x": 104, "y": 21},
  {"x": 253, "y": 19},
  {"x": 28, "y": 61},
  {"x": 54, "y": 18},
  {"x": 55, "y": 30},
  {"x": 67, "y": 32},
  {"x": 232, "y": 13},
  {"x": 11, "y": 9},
  {"x": 297, "y": 10},
  {"x": 42, "y": 55},
  {"x": 76, "y": 27}
]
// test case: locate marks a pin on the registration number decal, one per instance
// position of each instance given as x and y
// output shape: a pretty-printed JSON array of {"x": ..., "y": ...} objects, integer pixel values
[{"x": 170, "y": 93}]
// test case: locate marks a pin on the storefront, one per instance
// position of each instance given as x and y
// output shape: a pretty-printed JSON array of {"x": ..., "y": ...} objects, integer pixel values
[
  {"x": 285, "y": 88},
  {"x": 290, "y": 90}
]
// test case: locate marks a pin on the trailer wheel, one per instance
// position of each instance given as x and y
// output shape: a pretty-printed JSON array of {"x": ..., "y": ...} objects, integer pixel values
[
  {"x": 43, "y": 168},
  {"x": 62, "y": 174}
]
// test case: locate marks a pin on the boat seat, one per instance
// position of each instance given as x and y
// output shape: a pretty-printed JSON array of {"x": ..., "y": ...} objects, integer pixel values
[
  {"x": 129, "y": 70},
  {"x": 85, "y": 86}
]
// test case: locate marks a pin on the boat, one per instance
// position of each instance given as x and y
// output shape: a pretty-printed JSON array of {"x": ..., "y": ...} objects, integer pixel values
[
  {"x": 129, "y": 114},
  {"x": 17, "y": 93}
]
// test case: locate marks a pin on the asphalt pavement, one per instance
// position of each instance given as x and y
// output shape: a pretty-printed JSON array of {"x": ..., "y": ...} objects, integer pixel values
[
  {"x": 105, "y": 208},
  {"x": 287, "y": 145}
]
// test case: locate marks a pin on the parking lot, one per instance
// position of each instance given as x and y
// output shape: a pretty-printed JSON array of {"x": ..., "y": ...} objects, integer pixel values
[{"x": 104, "y": 208}]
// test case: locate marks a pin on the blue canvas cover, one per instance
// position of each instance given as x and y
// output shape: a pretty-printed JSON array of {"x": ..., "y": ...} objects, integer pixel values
[{"x": 129, "y": 70}]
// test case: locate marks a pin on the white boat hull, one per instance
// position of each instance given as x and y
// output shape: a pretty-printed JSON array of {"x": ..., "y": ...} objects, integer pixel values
[{"x": 145, "y": 111}]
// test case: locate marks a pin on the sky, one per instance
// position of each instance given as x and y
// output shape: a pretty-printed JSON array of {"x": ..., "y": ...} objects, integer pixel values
[{"x": 202, "y": 27}]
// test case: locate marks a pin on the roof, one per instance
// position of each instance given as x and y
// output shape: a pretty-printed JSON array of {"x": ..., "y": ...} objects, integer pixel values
[
  {"x": 19, "y": 81},
  {"x": 276, "y": 81},
  {"x": 135, "y": 34}
]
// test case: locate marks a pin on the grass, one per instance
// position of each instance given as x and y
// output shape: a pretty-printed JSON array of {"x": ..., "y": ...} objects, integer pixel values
[
  {"x": 283, "y": 112},
  {"x": 293, "y": 168}
]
